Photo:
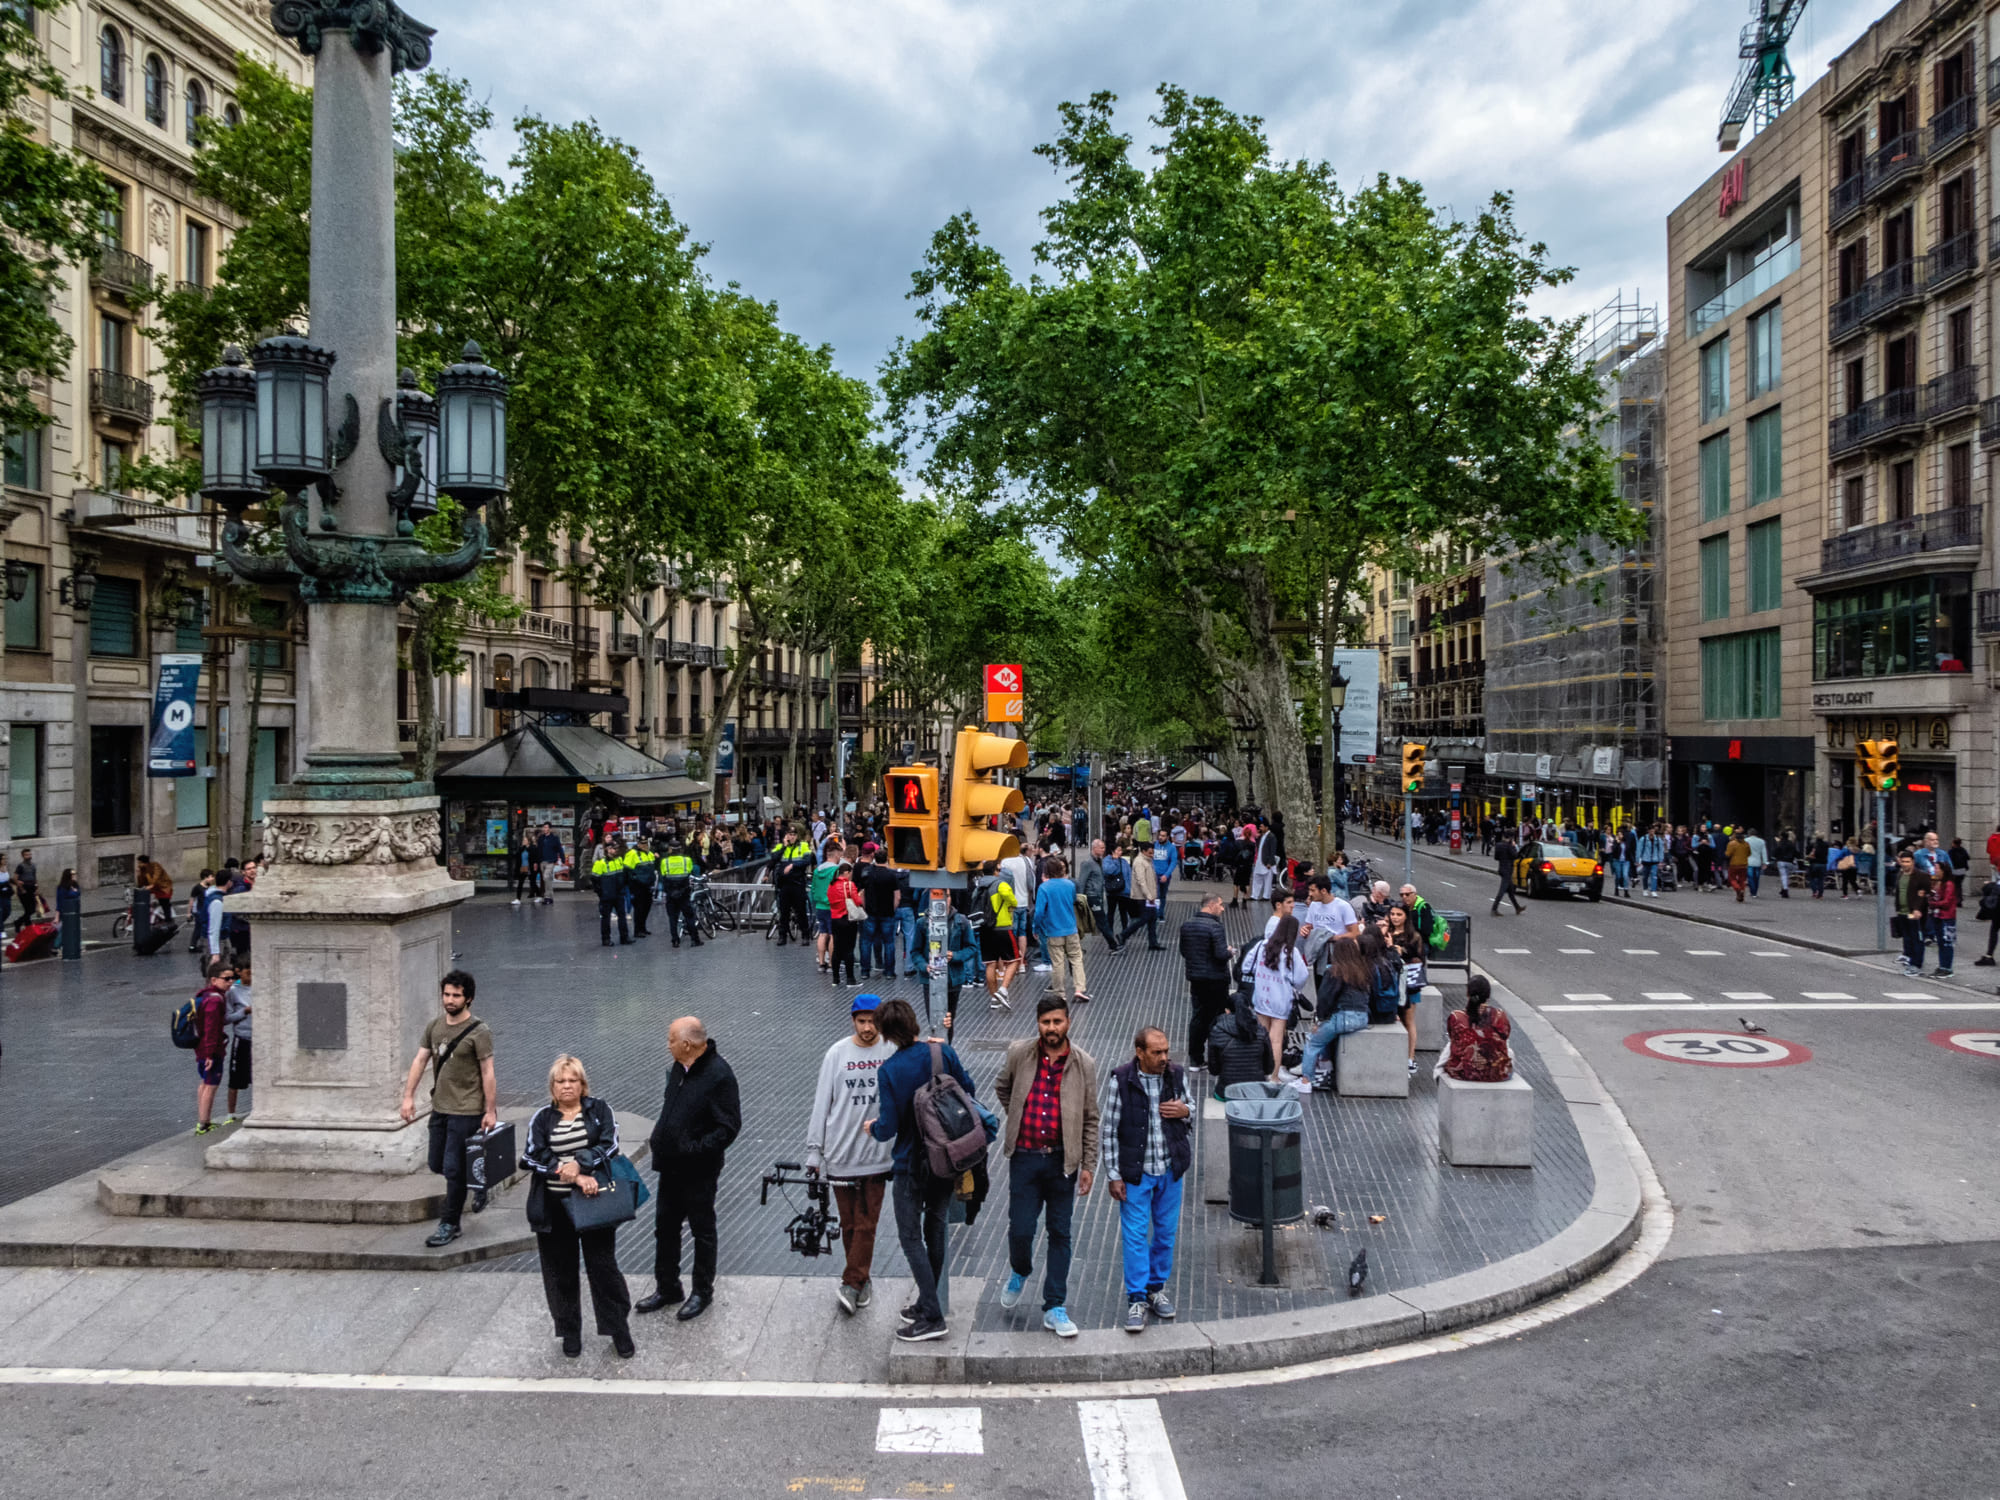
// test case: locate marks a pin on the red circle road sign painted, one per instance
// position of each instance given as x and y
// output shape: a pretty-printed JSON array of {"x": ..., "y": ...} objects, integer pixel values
[
  {"x": 1718, "y": 1049},
  {"x": 1978, "y": 1043}
]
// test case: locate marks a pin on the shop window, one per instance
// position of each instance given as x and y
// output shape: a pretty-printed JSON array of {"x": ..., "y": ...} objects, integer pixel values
[
  {"x": 1906, "y": 625},
  {"x": 24, "y": 781}
]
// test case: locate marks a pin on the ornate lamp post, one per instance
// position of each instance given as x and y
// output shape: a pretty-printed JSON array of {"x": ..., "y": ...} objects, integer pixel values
[{"x": 352, "y": 908}]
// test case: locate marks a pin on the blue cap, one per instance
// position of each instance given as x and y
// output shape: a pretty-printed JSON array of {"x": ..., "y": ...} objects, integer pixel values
[{"x": 866, "y": 1002}]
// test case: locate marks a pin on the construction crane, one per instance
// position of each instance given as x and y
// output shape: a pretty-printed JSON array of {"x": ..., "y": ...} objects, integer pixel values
[{"x": 1763, "y": 87}]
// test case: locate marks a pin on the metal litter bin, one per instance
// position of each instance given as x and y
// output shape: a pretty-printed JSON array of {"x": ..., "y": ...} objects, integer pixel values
[
  {"x": 1458, "y": 941},
  {"x": 1257, "y": 1090}
]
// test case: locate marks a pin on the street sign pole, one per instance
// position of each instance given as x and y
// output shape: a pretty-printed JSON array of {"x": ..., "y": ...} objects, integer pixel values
[
  {"x": 937, "y": 963},
  {"x": 1882, "y": 870},
  {"x": 1408, "y": 879}
]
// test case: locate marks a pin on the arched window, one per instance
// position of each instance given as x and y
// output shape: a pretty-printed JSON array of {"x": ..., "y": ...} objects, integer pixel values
[
  {"x": 156, "y": 89},
  {"x": 197, "y": 106},
  {"x": 111, "y": 65},
  {"x": 231, "y": 116}
]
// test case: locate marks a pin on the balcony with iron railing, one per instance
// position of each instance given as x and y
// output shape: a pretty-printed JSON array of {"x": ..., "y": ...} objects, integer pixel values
[
  {"x": 1891, "y": 290},
  {"x": 406, "y": 731},
  {"x": 1848, "y": 316},
  {"x": 1845, "y": 198},
  {"x": 116, "y": 269},
  {"x": 1898, "y": 160},
  {"x": 671, "y": 724},
  {"x": 549, "y": 627},
  {"x": 1988, "y": 603},
  {"x": 1953, "y": 259},
  {"x": 1891, "y": 414},
  {"x": 1989, "y": 423},
  {"x": 1956, "y": 527},
  {"x": 123, "y": 397},
  {"x": 1954, "y": 124},
  {"x": 623, "y": 644},
  {"x": 677, "y": 651},
  {"x": 1993, "y": 81},
  {"x": 192, "y": 288},
  {"x": 590, "y": 635},
  {"x": 1951, "y": 393}
]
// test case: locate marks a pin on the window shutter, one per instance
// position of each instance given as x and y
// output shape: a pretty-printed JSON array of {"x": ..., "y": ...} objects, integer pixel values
[{"x": 114, "y": 618}]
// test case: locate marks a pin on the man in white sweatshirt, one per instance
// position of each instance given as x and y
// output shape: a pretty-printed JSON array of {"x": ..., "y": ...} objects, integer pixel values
[{"x": 840, "y": 1147}]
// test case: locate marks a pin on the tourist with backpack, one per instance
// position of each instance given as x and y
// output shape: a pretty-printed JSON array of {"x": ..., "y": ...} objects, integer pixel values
[
  {"x": 202, "y": 1022},
  {"x": 929, "y": 1110},
  {"x": 458, "y": 1049}
]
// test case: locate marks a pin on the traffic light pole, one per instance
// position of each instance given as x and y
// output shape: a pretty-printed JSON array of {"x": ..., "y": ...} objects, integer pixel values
[
  {"x": 1408, "y": 878},
  {"x": 1882, "y": 869}
]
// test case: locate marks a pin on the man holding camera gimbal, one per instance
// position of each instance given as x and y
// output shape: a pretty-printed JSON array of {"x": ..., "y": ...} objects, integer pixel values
[{"x": 839, "y": 1146}]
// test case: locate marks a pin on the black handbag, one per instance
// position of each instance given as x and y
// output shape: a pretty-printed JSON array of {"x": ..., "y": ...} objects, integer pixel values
[
  {"x": 614, "y": 1203},
  {"x": 490, "y": 1157}
]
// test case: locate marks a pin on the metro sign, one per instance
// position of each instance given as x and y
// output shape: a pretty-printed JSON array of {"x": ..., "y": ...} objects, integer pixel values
[
  {"x": 1005, "y": 685},
  {"x": 1005, "y": 678}
]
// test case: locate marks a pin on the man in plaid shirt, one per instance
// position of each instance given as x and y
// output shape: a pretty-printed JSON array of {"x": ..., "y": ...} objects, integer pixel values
[
  {"x": 1148, "y": 1147},
  {"x": 1048, "y": 1088}
]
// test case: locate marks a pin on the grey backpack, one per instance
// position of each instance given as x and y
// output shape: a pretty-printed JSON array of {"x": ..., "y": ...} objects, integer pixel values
[{"x": 948, "y": 1127}]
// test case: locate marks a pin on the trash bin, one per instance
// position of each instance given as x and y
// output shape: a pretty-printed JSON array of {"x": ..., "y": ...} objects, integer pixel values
[
  {"x": 1255, "y": 1126},
  {"x": 1258, "y": 1090},
  {"x": 1458, "y": 941}
]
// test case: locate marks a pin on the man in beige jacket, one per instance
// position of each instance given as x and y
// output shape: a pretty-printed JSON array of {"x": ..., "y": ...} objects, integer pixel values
[
  {"x": 1048, "y": 1090},
  {"x": 1145, "y": 900}
]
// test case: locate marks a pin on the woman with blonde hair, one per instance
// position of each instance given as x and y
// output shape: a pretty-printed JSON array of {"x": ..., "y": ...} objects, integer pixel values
[{"x": 572, "y": 1143}]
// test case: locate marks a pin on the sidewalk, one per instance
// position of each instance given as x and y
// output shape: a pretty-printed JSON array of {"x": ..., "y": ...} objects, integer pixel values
[{"x": 1831, "y": 925}]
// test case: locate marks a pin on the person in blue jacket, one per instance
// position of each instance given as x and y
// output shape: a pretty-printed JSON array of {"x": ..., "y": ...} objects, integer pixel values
[{"x": 920, "y": 1198}]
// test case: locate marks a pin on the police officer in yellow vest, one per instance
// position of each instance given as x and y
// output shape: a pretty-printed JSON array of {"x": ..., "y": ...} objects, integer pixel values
[
  {"x": 608, "y": 870},
  {"x": 641, "y": 868},
  {"x": 795, "y": 866},
  {"x": 676, "y": 877}
]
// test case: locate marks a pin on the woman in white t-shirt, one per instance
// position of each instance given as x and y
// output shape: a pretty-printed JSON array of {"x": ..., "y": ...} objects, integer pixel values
[{"x": 1279, "y": 973}]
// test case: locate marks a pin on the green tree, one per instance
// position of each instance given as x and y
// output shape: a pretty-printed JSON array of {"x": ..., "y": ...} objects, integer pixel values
[
  {"x": 52, "y": 204},
  {"x": 440, "y": 616},
  {"x": 1227, "y": 370}
]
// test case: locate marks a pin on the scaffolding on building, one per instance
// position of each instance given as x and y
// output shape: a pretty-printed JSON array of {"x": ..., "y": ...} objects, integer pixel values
[{"x": 1573, "y": 669}]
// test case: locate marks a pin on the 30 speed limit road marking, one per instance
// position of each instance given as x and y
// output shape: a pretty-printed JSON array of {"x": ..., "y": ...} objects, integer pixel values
[{"x": 1719, "y": 1049}]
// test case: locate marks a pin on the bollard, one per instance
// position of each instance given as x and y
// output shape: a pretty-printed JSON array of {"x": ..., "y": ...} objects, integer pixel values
[{"x": 69, "y": 914}]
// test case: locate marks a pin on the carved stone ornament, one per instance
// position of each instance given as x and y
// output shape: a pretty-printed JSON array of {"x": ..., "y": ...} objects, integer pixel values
[
  {"x": 374, "y": 25},
  {"x": 345, "y": 839},
  {"x": 160, "y": 222}
]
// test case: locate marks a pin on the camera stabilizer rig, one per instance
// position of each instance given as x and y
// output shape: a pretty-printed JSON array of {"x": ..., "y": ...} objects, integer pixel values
[{"x": 814, "y": 1229}]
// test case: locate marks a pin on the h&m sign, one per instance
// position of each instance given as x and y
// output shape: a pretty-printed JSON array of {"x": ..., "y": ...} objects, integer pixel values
[{"x": 1734, "y": 177}]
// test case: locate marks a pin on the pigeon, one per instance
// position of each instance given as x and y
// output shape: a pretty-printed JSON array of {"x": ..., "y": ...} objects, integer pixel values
[
  {"x": 1750, "y": 1026},
  {"x": 1357, "y": 1272},
  {"x": 1323, "y": 1216}
]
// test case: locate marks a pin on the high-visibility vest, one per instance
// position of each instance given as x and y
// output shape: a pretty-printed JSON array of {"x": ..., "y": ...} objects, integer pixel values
[
  {"x": 677, "y": 867},
  {"x": 603, "y": 868}
]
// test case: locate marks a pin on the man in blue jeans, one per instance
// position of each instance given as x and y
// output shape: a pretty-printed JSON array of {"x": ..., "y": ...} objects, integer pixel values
[
  {"x": 879, "y": 898},
  {"x": 1047, "y": 1089},
  {"x": 1148, "y": 1134}
]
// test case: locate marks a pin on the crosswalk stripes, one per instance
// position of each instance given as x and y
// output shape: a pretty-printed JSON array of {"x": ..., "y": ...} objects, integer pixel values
[
  {"x": 1826, "y": 995},
  {"x": 1129, "y": 1452},
  {"x": 930, "y": 1429},
  {"x": 1744, "y": 995}
]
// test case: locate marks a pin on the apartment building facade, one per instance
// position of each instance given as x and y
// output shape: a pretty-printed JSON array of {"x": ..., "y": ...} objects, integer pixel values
[{"x": 100, "y": 583}]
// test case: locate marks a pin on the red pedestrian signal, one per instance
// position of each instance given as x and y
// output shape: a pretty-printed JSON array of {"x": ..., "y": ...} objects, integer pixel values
[{"x": 913, "y": 825}]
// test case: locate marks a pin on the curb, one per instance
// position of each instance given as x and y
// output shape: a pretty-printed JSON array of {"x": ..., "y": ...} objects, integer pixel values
[
  {"x": 1606, "y": 1227},
  {"x": 1817, "y": 945}
]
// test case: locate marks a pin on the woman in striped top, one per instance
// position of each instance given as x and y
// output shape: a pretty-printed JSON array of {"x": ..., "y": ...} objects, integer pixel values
[{"x": 570, "y": 1140}]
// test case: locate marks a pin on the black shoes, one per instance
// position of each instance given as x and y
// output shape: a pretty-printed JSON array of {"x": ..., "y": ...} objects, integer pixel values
[
  {"x": 443, "y": 1235},
  {"x": 658, "y": 1300},
  {"x": 625, "y": 1347},
  {"x": 572, "y": 1345},
  {"x": 693, "y": 1308},
  {"x": 922, "y": 1330},
  {"x": 479, "y": 1201}
]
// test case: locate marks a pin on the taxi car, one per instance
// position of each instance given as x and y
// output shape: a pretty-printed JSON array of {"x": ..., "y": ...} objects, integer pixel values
[{"x": 1545, "y": 869}]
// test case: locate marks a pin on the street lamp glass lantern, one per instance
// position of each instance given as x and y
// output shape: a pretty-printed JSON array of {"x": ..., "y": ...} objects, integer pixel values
[
  {"x": 292, "y": 448},
  {"x": 228, "y": 434},
  {"x": 18, "y": 577},
  {"x": 82, "y": 582},
  {"x": 472, "y": 451},
  {"x": 417, "y": 415}
]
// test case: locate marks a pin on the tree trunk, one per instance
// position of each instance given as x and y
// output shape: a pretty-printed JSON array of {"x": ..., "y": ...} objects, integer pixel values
[
  {"x": 725, "y": 702},
  {"x": 1262, "y": 686}
]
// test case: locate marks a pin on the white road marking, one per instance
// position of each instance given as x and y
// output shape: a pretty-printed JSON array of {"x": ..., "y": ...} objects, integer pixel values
[
  {"x": 1769, "y": 953},
  {"x": 1825, "y": 995},
  {"x": 1584, "y": 930},
  {"x": 1906, "y": 995},
  {"x": 1790, "y": 1005},
  {"x": 929, "y": 1429},
  {"x": 1744, "y": 995},
  {"x": 1576, "y": 950},
  {"x": 1452, "y": 883},
  {"x": 1510, "y": 950},
  {"x": 1667, "y": 995},
  {"x": 1586, "y": 997},
  {"x": 1704, "y": 953},
  {"x": 1643, "y": 952},
  {"x": 1130, "y": 1455}
]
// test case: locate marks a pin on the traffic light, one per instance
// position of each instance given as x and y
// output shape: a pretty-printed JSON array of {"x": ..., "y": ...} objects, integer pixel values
[
  {"x": 977, "y": 798},
  {"x": 1881, "y": 765},
  {"x": 913, "y": 823},
  {"x": 1413, "y": 766}
]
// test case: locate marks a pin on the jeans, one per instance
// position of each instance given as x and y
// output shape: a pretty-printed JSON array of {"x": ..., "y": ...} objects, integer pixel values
[
  {"x": 449, "y": 1133},
  {"x": 878, "y": 944},
  {"x": 1339, "y": 1024},
  {"x": 1506, "y": 892},
  {"x": 1102, "y": 916},
  {"x": 1621, "y": 875},
  {"x": 1649, "y": 872},
  {"x": 1148, "y": 1221},
  {"x": 906, "y": 931},
  {"x": 1945, "y": 935},
  {"x": 1756, "y": 877},
  {"x": 920, "y": 1231},
  {"x": 1785, "y": 878},
  {"x": 1142, "y": 916},
  {"x": 1036, "y": 1189},
  {"x": 1914, "y": 942}
]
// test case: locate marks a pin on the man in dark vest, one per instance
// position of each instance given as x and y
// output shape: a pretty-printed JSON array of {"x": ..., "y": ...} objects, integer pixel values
[{"x": 1148, "y": 1139}]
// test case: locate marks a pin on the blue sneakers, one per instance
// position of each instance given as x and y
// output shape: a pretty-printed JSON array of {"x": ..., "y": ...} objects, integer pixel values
[
  {"x": 1010, "y": 1294},
  {"x": 1056, "y": 1320}
]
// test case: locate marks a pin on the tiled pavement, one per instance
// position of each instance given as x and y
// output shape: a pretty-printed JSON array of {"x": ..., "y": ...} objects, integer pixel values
[{"x": 89, "y": 1075}]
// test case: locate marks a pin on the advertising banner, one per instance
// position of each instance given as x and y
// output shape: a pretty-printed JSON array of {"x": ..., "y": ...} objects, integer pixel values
[
  {"x": 170, "y": 750},
  {"x": 1361, "y": 714},
  {"x": 725, "y": 752}
]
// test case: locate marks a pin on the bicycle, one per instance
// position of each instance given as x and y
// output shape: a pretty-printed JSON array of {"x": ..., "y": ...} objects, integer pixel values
[{"x": 711, "y": 912}]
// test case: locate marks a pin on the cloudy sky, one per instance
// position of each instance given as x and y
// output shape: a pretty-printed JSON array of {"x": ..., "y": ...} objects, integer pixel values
[{"x": 816, "y": 144}]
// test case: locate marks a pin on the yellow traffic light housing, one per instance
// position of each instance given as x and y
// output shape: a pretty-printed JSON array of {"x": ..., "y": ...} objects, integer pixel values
[
  {"x": 913, "y": 822},
  {"x": 1881, "y": 765},
  {"x": 1413, "y": 766},
  {"x": 977, "y": 798}
]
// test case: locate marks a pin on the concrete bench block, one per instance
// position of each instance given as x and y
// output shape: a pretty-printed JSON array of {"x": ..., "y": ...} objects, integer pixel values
[
  {"x": 1430, "y": 1020},
  {"x": 1486, "y": 1124},
  {"x": 1214, "y": 1136},
  {"x": 1373, "y": 1063}
]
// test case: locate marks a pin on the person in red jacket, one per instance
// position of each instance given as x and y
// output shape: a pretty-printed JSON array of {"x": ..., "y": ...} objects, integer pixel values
[{"x": 212, "y": 1050}]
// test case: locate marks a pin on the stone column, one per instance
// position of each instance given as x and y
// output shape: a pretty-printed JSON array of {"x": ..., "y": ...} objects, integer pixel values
[{"x": 352, "y": 913}]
